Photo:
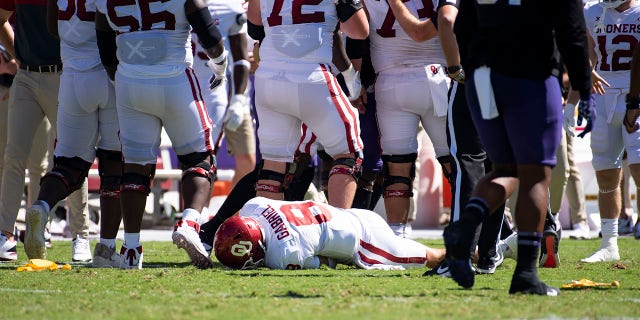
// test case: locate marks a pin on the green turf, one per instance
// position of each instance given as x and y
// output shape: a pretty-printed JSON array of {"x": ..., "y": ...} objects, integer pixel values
[{"x": 170, "y": 288}]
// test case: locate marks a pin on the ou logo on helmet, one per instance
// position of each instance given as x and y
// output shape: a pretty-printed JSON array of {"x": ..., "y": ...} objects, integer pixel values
[{"x": 241, "y": 248}]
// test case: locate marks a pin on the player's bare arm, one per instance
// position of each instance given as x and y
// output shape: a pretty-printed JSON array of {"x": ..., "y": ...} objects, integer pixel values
[
  {"x": 106, "y": 38},
  {"x": 446, "y": 18},
  {"x": 253, "y": 12},
  {"x": 238, "y": 47},
  {"x": 416, "y": 29},
  {"x": 353, "y": 19},
  {"x": 598, "y": 83}
]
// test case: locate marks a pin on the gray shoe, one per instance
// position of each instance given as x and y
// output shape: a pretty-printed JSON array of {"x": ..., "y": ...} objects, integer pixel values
[
  {"x": 105, "y": 257},
  {"x": 34, "y": 241}
]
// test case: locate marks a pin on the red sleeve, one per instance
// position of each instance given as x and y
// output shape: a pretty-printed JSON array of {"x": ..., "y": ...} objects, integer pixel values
[{"x": 9, "y": 5}]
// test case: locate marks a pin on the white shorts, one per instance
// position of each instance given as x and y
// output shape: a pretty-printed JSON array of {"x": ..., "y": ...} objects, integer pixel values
[
  {"x": 609, "y": 137},
  {"x": 289, "y": 94},
  {"x": 86, "y": 114},
  {"x": 146, "y": 105},
  {"x": 405, "y": 97},
  {"x": 380, "y": 248}
]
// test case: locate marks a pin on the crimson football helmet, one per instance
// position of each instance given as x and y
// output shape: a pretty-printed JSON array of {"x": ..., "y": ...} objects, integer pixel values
[{"x": 238, "y": 243}]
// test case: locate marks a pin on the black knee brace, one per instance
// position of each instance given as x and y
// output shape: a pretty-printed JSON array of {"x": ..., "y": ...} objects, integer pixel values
[
  {"x": 136, "y": 182},
  {"x": 71, "y": 171},
  {"x": 194, "y": 163},
  {"x": 110, "y": 171},
  {"x": 292, "y": 170},
  {"x": 354, "y": 167},
  {"x": 389, "y": 179}
]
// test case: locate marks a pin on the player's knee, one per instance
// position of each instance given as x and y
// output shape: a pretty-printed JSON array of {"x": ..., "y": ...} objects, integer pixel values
[
  {"x": 270, "y": 180},
  {"x": 398, "y": 186},
  {"x": 350, "y": 166},
  {"x": 109, "y": 162},
  {"x": 200, "y": 164},
  {"x": 71, "y": 171},
  {"x": 136, "y": 182}
]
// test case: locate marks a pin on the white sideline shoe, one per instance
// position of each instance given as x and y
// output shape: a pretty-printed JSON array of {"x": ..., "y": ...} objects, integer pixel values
[
  {"x": 8, "y": 250},
  {"x": 80, "y": 250},
  {"x": 34, "y": 241},
  {"x": 581, "y": 231},
  {"x": 509, "y": 246},
  {"x": 603, "y": 255},
  {"x": 105, "y": 257},
  {"x": 185, "y": 236}
]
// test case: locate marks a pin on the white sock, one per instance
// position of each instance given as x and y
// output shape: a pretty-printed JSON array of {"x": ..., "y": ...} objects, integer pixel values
[
  {"x": 111, "y": 243},
  {"x": 132, "y": 240},
  {"x": 191, "y": 214},
  {"x": 609, "y": 229}
]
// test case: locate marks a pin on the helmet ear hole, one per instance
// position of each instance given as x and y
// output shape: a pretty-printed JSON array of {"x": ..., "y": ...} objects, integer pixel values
[{"x": 238, "y": 243}]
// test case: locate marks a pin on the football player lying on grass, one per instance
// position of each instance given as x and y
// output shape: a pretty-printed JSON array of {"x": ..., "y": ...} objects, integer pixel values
[{"x": 306, "y": 234}]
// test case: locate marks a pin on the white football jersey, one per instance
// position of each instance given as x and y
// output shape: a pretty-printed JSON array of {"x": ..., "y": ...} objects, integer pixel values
[
  {"x": 391, "y": 46},
  {"x": 77, "y": 31},
  {"x": 297, "y": 32},
  {"x": 296, "y": 233},
  {"x": 615, "y": 38},
  {"x": 153, "y": 38}
]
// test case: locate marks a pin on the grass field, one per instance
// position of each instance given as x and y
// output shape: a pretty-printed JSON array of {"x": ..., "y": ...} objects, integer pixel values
[{"x": 170, "y": 288}]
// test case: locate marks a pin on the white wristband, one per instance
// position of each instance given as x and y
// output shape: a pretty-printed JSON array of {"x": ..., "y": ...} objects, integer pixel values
[
  {"x": 243, "y": 62},
  {"x": 219, "y": 58}
]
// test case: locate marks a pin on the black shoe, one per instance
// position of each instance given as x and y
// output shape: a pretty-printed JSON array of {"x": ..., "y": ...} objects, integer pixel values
[
  {"x": 488, "y": 264},
  {"x": 442, "y": 270},
  {"x": 549, "y": 249},
  {"x": 458, "y": 244},
  {"x": 528, "y": 283}
]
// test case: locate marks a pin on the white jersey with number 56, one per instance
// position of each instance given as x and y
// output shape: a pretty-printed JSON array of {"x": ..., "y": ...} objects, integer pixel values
[{"x": 154, "y": 39}]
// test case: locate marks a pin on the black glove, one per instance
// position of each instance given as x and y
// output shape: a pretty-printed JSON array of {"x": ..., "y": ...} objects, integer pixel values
[{"x": 586, "y": 111}]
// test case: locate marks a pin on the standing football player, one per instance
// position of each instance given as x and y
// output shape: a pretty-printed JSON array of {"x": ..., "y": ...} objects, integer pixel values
[
  {"x": 85, "y": 121},
  {"x": 612, "y": 35},
  {"x": 237, "y": 123},
  {"x": 154, "y": 47},
  {"x": 502, "y": 89},
  {"x": 295, "y": 83}
]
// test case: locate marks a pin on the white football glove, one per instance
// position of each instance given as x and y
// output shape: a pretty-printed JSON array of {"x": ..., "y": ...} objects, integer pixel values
[
  {"x": 219, "y": 68},
  {"x": 569, "y": 122},
  {"x": 352, "y": 79},
  {"x": 238, "y": 108}
]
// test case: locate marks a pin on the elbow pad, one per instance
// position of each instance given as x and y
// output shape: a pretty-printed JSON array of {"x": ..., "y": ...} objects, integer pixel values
[
  {"x": 205, "y": 28},
  {"x": 256, "y": 32},
  {"x": 347, "y": 8},
  {"x": 107, "y": 47}
]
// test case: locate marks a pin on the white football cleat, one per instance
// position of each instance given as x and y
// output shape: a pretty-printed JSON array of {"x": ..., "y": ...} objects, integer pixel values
[
  {"x": 604, "y": 255},
  {"x": 185, "y": 236},
  {"x": 131, "y": 258}
]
